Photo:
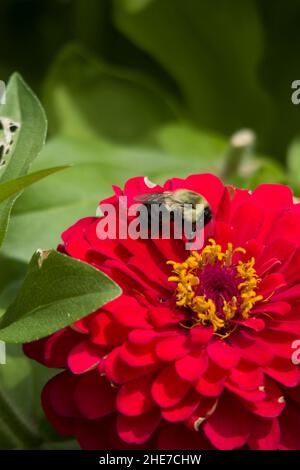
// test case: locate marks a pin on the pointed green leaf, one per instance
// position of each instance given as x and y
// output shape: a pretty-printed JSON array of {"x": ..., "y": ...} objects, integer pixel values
[
  {"x": 25, "y": 142},
  {"x": 57, "y": 291},
  {"x": 9, "y": 188}
]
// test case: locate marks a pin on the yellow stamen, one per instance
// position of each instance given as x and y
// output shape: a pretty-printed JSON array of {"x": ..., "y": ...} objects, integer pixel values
[{"x": 204, "y": 309}]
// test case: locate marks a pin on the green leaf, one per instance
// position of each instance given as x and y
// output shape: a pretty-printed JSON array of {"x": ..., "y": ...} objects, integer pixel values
[
  {"x": 57, "y": 291},
  {"x": 23, "y": 108},
  {"x": 213, "y": 53},
  {"x": 133, "y": 6},
  {"x": 59, "y": 201},
  {"x": 86, "y": 97},
  {"x": 265, "y": 171},
  {"x": 183, "y": 139},
  {"x": 46, "y": 209},
  {"x": 197, "y": 150},
  {"x": 9, "y": 188},
  {"x": 293, "y": 162},
  {"x": 281, "y": 40}
]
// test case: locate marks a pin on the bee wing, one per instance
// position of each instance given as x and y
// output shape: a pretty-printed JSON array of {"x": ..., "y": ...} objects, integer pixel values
[{"x": 152, "y": 198}]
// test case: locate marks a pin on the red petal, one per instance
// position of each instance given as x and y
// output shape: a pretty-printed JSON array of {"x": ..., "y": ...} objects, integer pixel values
[
  {"x": 252, "y": 396},
  {"x": 136, "y": 186},
  {"x": 74, "y": 241},
  {"x": 289, "y": 295},
  {"x": 128, "y": 312},
  {"x": 163, "y": 316},
  {"x": 53, "y": 351},
  {"x": 206, "y": 408},
  {"x": 173, "y": 436},
  {"x": 252, "y": 350},
  {"x": 85, "y": 356},
  {"x": 201, "y": 334},
  {"x": 138, "y": 355},
  {"x": 63, "y": 425},
  {"x": 138, "y": 429},
  {"x": 224, "y": 432},
  {"x": 256, "y": 324},
  {"x": 168, "y": 249},
  {"x": 247, "y": 375},
  {"x": 265, "y": 435},
  {"x": 290, "y": 269},
  {"x": 192, "y": 366},
  {"x": 183, "y": 409},
  {"x": 222, "y": 354},
  {"x": 280, "y": 308},
  {"x": 211, "y": 383},
  {"x": 267, "y": 266},
  {"x": 289, "y": 428},
  {"x": 253, "y": 249},
  {"x": 94, "y": 396},
  {"x": 145, "y": 336},
  {"x": 279, "y": 342},
  {"x": 287, "y": 225},
  {"x": 117, "y": 371},
  {"x": 134, "y": 398},
  {"x": 272, "y": 405},
  {"x": 243, "y": 230},
  {"x": 107, "y": 332},
  {"x": 284, "y": 372},
  {"x": 92, "y": 435},
  {"x": 172, "y": 348},
  {"x": 281, "y": 248},
  {"x": 273, "y": 196},
  {"x": 61, "y": 394},
  {"x": 168, "y": 389},
  {"x": 271, "y": 284}
]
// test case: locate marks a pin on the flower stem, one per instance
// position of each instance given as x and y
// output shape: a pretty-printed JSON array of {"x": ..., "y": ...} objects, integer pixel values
[{"x": 240, "y": 144}]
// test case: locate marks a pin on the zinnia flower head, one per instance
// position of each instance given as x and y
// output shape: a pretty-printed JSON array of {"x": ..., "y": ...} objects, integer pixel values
[{"x": 197, "y": 351}]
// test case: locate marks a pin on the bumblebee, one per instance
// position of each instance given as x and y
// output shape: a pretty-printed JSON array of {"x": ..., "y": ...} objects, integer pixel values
[{"x": 188, "y": 204}]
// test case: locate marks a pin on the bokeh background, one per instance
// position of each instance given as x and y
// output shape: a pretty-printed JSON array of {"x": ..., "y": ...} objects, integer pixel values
[{"x": 139, "y": 87}]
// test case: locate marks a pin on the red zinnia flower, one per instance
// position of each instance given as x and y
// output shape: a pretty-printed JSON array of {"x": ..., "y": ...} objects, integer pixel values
[{"x": 196, "y": 352}]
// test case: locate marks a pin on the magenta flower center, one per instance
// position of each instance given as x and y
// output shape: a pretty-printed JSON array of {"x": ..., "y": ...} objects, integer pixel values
[{"x": 218, "y": 283}]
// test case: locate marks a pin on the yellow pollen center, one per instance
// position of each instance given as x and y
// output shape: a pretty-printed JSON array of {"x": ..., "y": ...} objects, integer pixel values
[{"x": 187, "y": 275}]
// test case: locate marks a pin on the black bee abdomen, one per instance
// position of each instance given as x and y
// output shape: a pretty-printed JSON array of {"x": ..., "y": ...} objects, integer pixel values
[{"x": 207, "y": 215}]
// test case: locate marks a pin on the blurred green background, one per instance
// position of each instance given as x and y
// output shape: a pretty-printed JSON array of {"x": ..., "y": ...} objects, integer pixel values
[{"x": 131, "y": 87}]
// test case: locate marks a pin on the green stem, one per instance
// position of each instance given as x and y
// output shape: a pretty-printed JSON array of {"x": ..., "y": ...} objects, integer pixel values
[
  {"x": 240, "y": 144},
  {"x": 24, "y": 435}
]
